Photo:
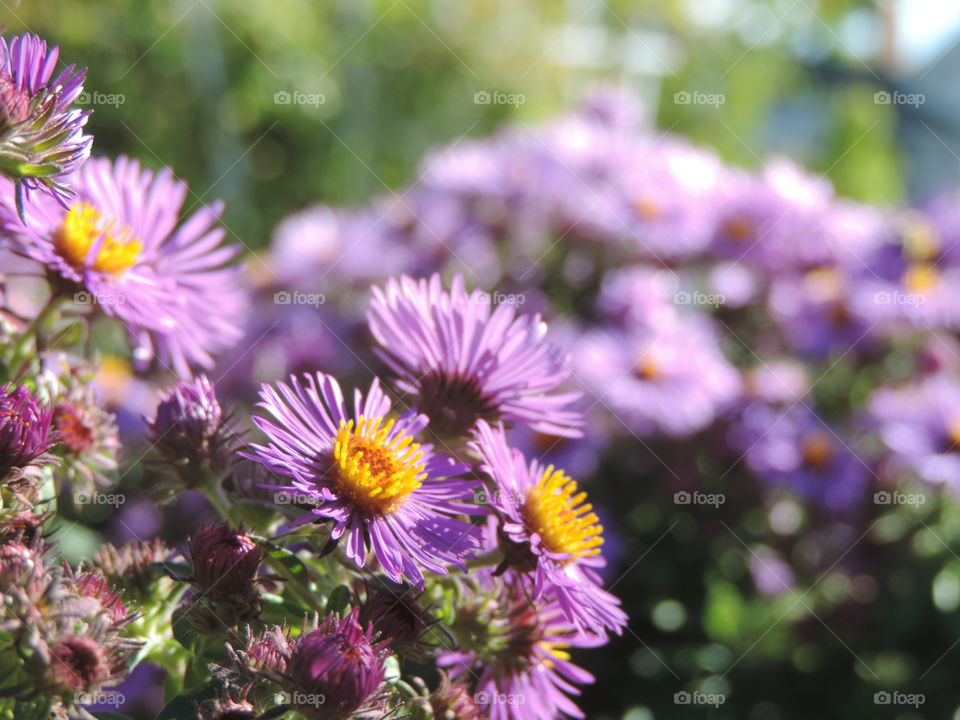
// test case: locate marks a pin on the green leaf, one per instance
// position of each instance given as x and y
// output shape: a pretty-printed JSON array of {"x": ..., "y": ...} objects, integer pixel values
[
  {"x": 184, "y": 707},
  {"x": 339, "y": 600}
]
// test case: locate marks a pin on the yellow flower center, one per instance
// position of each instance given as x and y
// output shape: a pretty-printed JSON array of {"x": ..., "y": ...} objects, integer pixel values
[
  {"x": 557, "y": 513},
  {"x": 371, "y": 469},
  {"x": 921, "y": 277},
  {"x": 85, "y": 229}
]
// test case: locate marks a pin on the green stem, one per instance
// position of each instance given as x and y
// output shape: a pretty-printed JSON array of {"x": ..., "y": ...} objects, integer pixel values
[
  {"x": 31, "y": 331},
  {"x": 491, "y": 558}
]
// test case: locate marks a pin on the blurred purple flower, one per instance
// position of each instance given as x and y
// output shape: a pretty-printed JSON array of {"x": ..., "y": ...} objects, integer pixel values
[{"x": 796, "y": 449}]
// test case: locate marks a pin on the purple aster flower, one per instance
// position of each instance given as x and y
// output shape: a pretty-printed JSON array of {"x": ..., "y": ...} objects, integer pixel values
[
  {"x": 796, "y": 449},
  {"x": 119, "y": 246},
  {"x": 464, "y": 361},
  {"x": 518, "y": 646},
  {"x": 341, "y": 665},
  {"x": 672, "y": 380},
  {"x": 545, "y": 518},
  {"x": 817, "y": 314},
  {"x": 364, "y": 472},
  {"x": 41, "y": 137},
  {"x": 920, "y": 424},
  {"x": 25, "y": 431},
  {"x": 671, "y": 192}
]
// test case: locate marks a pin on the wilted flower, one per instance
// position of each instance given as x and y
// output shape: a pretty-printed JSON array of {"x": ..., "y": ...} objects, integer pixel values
[
  {"x": 41, "y": 137},
  {"x": 25, "y": 431},
  {"x": 364, "y": 471},
  {"x": 464, "y": 362},
  {"x": 453, "y": 701},
  {"x": 397, "y": 616},
  {"x": 120, "y": 248},
  {"x": 130, "y": 567},
  {"x": 88, "y": 433},
  {"x": 548, "y": 517}
]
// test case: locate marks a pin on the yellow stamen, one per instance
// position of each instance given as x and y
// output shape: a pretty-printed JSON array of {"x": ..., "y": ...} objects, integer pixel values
[
  {"x": 558, "y": 514},
  {"x": 554, "y": 650},
  {"x": 376, "y": 472},
  {"x": 648, "y": 209},
  {"x": 85, "y": 228}
]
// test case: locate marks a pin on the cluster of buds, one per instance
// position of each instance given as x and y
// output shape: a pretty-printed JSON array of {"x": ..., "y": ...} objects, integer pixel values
[
  {"x": 333, "y": 670},
  {"x": 225, "y": 563},
  {"x": 64, "y": 630}
]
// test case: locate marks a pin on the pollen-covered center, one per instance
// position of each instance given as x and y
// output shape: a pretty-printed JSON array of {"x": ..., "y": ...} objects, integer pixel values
[
  {"x": 87, "y": 239},
  {"x": 373, "y": 469},
  {"x": 558, "y": 514}
]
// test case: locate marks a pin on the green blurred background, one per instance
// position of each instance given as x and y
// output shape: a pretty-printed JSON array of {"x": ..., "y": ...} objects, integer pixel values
[{"x": 390, "y": 79}]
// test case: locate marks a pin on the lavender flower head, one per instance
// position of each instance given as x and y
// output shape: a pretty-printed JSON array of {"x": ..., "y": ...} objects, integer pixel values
[
  {"x": 364, "y": 471},
  {"x": 25, "y": 431},
  {"x": 41, "y": 137},
  {"x": 121, "y": 248},
  {"x": 465, "y": 362},
  {"x": 920, "y": 425},
  {"x": 671, "y": 380},
  {"x": 550, "y": 527},
  {"x": 796, "y": 449}
]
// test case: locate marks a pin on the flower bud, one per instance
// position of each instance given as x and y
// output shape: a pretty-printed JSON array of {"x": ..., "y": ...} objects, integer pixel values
[
  {"x": 189, "y": 427},
  {"x": 25, "y": 430},
  {"x": 340, "y": 663}
]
